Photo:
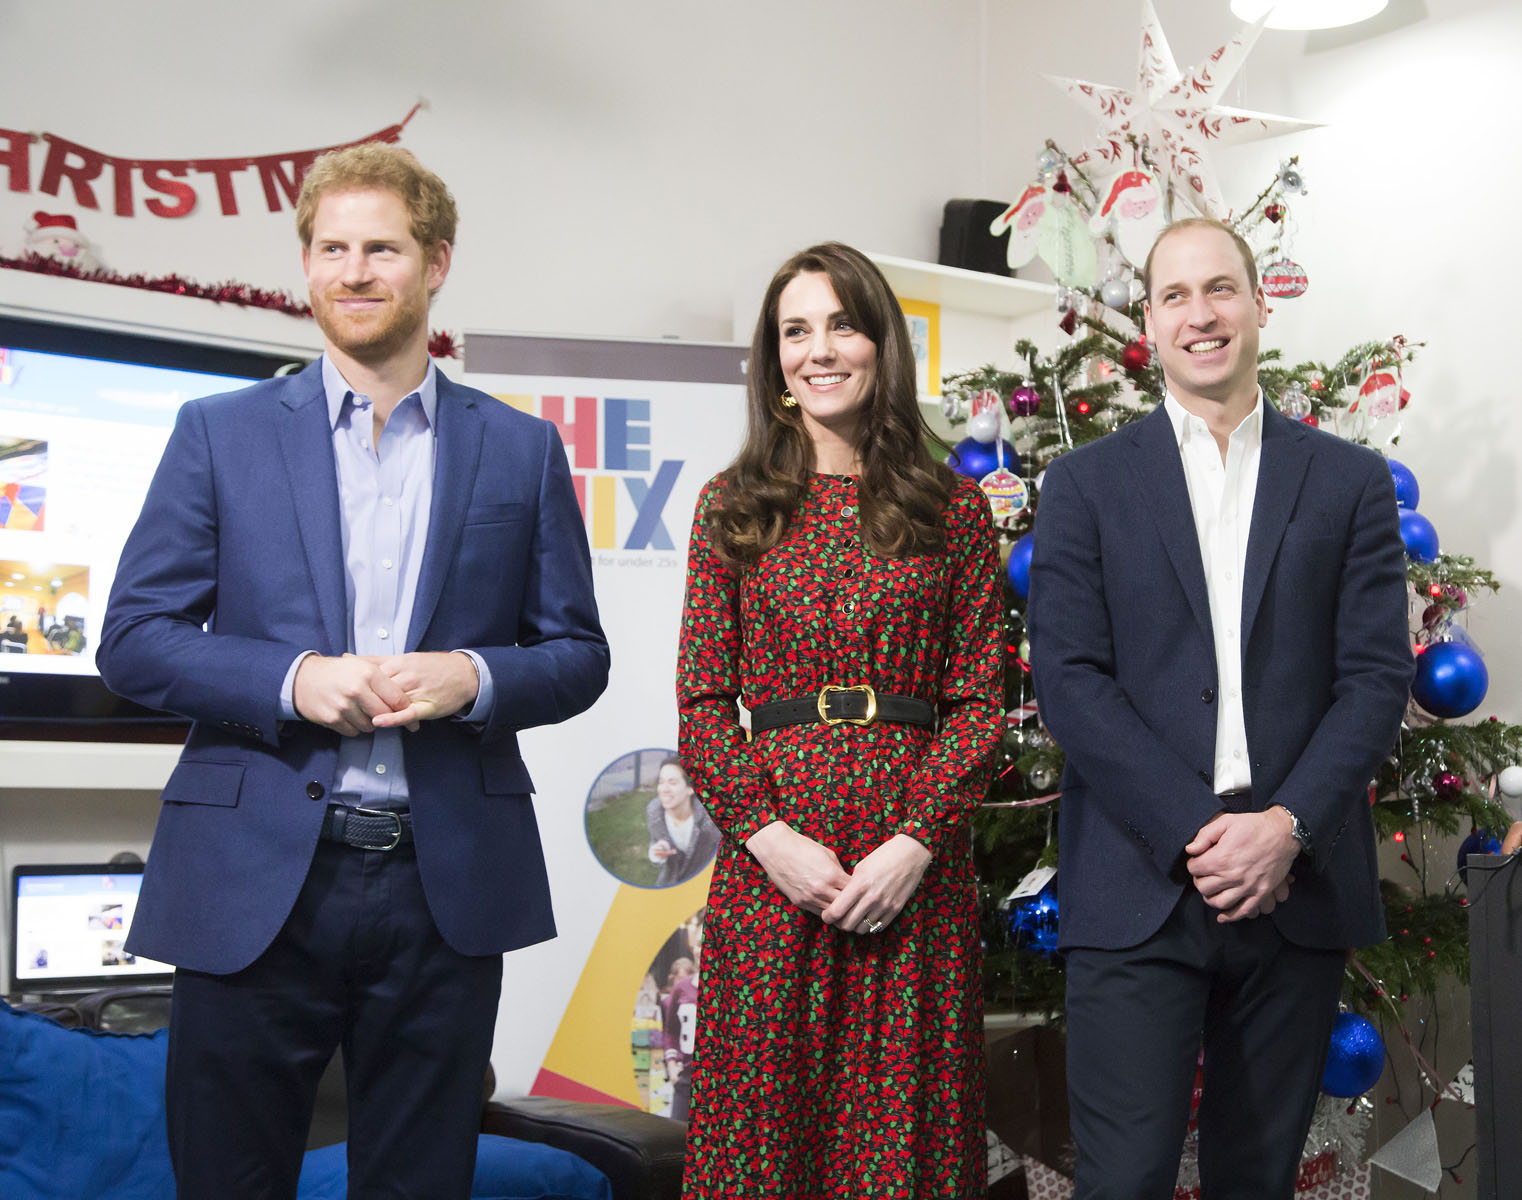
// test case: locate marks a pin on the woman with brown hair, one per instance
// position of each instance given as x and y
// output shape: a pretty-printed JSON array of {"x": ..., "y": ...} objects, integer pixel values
[{"x": 843, "y": 587}]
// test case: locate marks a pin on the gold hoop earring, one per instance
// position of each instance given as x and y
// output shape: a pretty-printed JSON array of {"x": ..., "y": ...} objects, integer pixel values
[{"x": 788, "y": 401}]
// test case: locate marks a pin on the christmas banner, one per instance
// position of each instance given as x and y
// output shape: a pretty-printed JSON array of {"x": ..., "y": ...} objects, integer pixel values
[{"x": 162, "y": 187}]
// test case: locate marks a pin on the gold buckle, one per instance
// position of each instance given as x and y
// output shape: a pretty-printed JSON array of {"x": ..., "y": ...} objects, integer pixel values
[{"x": 824, "y": 695}]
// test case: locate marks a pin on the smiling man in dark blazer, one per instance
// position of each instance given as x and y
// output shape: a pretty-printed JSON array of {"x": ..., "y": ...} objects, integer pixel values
[
  {"x": 1219, "y": 644},
  {"x": 359, "y": 582}
]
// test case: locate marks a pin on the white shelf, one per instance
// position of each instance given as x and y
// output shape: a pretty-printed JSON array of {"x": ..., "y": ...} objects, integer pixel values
[
  {"x": 86, "y": 766},
  {"x": 965, "y": 291}
]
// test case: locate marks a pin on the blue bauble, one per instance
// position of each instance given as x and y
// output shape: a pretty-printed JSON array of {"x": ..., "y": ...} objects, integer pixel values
[
  {"x": 1407, "y": 492},
  {"x": 1356, "y": 1058},
  {"x": 1417, "y": 532},
  {"x": 1020, "y": 565},
  {"x": 976, "y": 459},
  {"x": 1482, "y": 841},
  {"x": 1451, "y": 679},
  {"x": 1033, "y": 922}
]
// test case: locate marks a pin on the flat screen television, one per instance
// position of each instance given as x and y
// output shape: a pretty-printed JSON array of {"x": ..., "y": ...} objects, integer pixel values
[
  {"x": 69, "y": 924},
  {"x": 84, "y": 416}
]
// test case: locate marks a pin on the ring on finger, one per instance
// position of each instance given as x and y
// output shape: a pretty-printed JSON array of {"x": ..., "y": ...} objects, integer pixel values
[{"x": 873, "y": 926}]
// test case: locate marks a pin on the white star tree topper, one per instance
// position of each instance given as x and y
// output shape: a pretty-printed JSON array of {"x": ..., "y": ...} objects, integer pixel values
[{"x": 1176, "y": 113}]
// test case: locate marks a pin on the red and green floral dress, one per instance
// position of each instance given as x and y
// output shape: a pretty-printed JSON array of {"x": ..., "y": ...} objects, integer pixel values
[{"x": 834, "y": 1064}]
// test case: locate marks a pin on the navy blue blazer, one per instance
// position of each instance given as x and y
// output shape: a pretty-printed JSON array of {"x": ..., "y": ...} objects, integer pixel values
[
  {"x": 1123, "y": 663},
  {"x": 241, "y": 530}
]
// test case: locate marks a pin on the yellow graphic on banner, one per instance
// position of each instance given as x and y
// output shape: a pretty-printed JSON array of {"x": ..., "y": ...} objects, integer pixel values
[{"x": 592, "y": 1045}]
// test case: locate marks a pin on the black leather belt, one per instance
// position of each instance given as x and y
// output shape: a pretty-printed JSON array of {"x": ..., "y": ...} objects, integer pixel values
[
  {"x": 835, "y": 705},
  {"x": 367, "y": 828}
]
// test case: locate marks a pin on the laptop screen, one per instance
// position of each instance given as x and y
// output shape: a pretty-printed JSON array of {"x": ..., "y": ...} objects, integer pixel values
[{"x": 69, "y": 928}]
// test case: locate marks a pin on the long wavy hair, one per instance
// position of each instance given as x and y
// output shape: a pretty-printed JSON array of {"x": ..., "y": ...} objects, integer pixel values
[{"x": 902, "y": 490}]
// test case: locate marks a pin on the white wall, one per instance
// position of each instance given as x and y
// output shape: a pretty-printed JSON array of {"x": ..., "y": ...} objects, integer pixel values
[{"x": 618, "y": 166}]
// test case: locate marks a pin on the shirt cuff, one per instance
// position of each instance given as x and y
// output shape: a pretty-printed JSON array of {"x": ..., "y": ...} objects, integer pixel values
[
  {"x": 480, "y": 711},
  {"x": 288, "y": 689}
]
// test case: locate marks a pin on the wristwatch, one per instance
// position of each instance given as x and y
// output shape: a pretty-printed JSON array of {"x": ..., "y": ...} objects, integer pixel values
[{"x": 1300, "y": 833}]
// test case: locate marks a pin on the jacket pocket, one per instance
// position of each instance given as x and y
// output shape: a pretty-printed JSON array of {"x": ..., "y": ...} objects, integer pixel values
[
  {"x": 495, "y": 514},
  {"x": 202, "y": 782},
  {"x": 505, "y": 776}
]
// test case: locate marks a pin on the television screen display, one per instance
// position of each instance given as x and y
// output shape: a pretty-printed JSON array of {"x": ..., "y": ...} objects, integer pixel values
[
  {"x": 69, "y": 928},
  {"x": 84, "y": 417}
]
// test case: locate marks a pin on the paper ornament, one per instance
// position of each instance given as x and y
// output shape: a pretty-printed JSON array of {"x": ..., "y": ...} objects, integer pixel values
[
  {"x": 1007, "y": 495},
  {"x": 1057, "y": 232},
  {"x": 1176, "y": 112},
  {"x": 1412, "y": 1153},
  {"x": 1020, "y": 220},
  {"x": 1379, "y": 395},
  {"x": 1132, "y": 212}
]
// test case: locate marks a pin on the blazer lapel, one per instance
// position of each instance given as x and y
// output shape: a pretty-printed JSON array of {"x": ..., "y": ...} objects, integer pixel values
[
  {"x": 457, "y": 455},
  {"x": 306, "y": 443},
  {"x": 1281, "y": 470},
  {"x": 1159, "y": 472}
]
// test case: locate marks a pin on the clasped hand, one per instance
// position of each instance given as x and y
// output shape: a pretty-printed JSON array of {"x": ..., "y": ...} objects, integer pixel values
[
  {"x": 810, "y": 875},
  {"x": 1240, "y": 862},
  {"x": 358, "y": 694}
]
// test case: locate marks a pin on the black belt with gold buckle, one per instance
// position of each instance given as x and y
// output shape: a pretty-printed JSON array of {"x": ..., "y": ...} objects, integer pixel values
[{"x": 858, "y": 704}]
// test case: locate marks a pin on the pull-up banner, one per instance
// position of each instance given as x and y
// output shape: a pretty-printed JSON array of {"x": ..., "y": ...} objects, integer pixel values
[
  {"x": 166, "y": 187},
  {"x": 604, "y": 1011}
]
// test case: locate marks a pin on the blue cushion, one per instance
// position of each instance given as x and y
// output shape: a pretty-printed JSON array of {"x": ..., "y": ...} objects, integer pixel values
[
  {"x": 506, "y": 1169},
  {"x": 82, "y": 1118},
  {"x": 81, "y": 1112}
]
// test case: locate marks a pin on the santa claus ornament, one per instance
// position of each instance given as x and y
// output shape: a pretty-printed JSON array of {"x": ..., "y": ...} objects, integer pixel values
[
  {"x": 1132, "y": 213},
  {"x": 57, "y": 236},
  {"x": 1379, "y": 396}
]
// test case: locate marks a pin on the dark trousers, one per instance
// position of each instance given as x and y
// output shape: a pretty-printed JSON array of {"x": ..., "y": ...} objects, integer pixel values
[
  {"x": 1263, "y": 1010},
  {"x": 358, "y": 965}
]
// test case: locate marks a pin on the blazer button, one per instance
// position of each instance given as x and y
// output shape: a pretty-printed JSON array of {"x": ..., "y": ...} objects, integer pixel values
[
  {"x": 1205, "y": 778},
  {"x": 1208, "y": 695},
  {"x": 315, "y": 790}
]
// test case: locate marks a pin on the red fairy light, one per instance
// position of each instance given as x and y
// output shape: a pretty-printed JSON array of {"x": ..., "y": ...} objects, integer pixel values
[{"x": 1398, "y": 836}]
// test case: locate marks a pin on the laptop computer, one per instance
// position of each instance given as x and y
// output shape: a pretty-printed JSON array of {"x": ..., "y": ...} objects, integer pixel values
[{"x": 69, "y": 926}]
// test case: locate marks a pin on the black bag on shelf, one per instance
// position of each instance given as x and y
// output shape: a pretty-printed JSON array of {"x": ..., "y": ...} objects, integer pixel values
[{"x": 965, "y": 240}]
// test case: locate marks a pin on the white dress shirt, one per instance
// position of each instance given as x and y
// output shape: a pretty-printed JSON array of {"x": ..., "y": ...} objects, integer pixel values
[{"x": 1221, "y": 496}]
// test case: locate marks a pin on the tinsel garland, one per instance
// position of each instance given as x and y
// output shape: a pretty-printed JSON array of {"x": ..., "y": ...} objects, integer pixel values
[
  {"x": 441, "y": 344},
  {"x": 242, "y": 294}
]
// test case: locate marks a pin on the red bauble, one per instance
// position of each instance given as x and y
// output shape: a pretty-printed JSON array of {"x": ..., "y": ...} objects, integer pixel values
[
  {"x": 1448, "y": 786},
  {"x": 1274, "y": 212},
  {"x": 1136, "y": 355},
  {"x": 1069, "y": 321},
  {"x": 1311, "y": 420}
]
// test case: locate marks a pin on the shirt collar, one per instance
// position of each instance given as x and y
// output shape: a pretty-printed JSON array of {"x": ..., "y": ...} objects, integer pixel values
[
  {"x": 337, "y": 390},
  {"x": 1250, "y": 429}
]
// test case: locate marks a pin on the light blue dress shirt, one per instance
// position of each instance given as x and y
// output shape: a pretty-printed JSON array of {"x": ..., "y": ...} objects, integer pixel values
[{"x": 385, "y": 494}]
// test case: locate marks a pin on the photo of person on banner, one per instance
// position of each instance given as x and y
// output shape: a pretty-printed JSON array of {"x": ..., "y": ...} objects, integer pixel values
[
  {"x": 845, "y": 587},
  {"x": 683, "y": 837}
]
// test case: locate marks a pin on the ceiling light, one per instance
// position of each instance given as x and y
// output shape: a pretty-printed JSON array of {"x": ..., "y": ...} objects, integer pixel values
[{"x": 1308, "y": 14}]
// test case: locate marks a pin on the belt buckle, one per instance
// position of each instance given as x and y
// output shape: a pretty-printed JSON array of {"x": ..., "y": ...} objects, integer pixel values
[
  {"x": 396, "y": 838},
  {"x": 823, "y": 701}
]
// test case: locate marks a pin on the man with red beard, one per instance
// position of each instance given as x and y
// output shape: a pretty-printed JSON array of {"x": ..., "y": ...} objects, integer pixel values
[{"x": 359, "y": 582}]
